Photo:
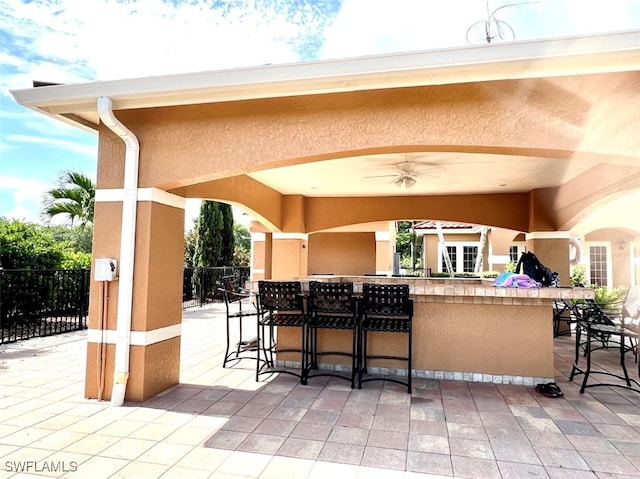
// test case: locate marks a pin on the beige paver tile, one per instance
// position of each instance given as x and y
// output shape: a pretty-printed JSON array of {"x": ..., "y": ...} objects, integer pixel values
[
  {"x": 189, "y": 435},
  {"x": 59, "y": 421},
  {"x": 92, "y": 444},
  {"x": 165, "y": 453},
  {"x": 23, "y": 454},
  {"x": 24, "y": 437},
  {"x": 244, "y": 464},
  {"x": 58, "y": 440},
  {"x": 6, "y": 449},
  {"x": 6, "y": 430},
  {"x": 186, "y": 473},
  {"x": 143, "y": 414},
  {"x": 281, "y": 467},
  {"x": 29, "y": 419},
  {"x": 141, "y": 470},
  {"x": 99, "y": 467},
  {"x": 323, "y": 470},
  {"x": 128, "y": 448},
  {"x": 204, "y": 458},
  {"x": 121, "y": 428},
  {"x": 153, "y": 431},
  {"x": 91, "y": 424},
  {"x": 86, "y": 409},
  {"x": 30, "y": 405},
  {"x": 172, "y": 417},
  {"x": 210, "y": 422}
]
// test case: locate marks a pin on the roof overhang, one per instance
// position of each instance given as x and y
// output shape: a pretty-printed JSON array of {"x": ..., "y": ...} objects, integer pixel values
[{"x": 76, "y": 103}]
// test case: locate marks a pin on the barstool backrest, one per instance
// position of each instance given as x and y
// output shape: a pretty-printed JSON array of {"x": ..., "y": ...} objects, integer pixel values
[
  {"x": 280, "y": 295},
  {"x": 333, "y": 297},
  {"x": 386, "y": 299}
]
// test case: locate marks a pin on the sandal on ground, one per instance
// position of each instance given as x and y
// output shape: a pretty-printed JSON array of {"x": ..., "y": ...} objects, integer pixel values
[{"x": 550, "y": 390}]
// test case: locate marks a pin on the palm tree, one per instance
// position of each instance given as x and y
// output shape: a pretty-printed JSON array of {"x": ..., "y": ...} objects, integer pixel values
[{"x": 73, "y": 196}]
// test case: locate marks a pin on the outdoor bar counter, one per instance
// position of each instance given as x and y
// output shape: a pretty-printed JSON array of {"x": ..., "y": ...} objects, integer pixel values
[{"x": 463, "y": 329}]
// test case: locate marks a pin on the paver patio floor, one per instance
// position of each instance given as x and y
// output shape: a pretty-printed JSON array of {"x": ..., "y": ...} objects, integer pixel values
[{"x": 220, "y": 423}]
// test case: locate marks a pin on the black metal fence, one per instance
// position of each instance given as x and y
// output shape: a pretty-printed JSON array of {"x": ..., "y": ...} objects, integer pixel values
[
  {"x": 42, "y": 302},
  {"x": 200, "y": 285}
]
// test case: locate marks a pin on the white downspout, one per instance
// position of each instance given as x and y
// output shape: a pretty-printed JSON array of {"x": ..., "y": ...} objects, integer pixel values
[{"x": 127, "y": 245}]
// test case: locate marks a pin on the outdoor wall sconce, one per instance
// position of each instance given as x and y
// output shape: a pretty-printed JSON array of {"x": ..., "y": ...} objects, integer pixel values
[{"x": 621, "y": 244}]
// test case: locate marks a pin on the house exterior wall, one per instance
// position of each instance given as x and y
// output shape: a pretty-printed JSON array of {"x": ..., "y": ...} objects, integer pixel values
[{"x": 621, "y": 245}]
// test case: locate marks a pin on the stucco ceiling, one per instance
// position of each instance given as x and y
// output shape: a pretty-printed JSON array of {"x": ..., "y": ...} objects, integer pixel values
[{"x": 437, "y": 174}]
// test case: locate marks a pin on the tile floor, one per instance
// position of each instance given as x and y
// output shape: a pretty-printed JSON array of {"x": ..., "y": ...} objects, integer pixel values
[{"x": 220, "y": 423}]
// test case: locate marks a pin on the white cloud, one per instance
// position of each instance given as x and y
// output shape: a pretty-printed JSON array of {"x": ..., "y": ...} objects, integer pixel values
[
  {"x": 77, "y": 40},
  {"x": 89, "y": 150},
  {"x": 364, "y": 27},
  {"x": 26, "y": 194}
]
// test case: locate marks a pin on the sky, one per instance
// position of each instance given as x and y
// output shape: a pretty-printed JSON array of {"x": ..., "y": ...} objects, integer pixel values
[{"x": 80, "y": 41}]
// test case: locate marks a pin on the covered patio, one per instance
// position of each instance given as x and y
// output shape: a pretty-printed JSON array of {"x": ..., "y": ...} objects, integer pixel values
[
  {"x": 528, "y": 137},
  {"x": 220, "y": 423}
]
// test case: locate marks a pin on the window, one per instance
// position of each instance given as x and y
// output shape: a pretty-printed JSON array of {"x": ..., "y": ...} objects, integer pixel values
[
  {"x": 452, "y": 256},
  {"x": 463, "y": 257},
  {"x": 513, "y": 254},
  {"x": 598, "y": 265},
  {"x": 515, "y": 251},
  {"x": 469, "y": 255}
]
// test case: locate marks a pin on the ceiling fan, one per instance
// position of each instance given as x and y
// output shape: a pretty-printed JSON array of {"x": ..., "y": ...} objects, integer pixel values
[{"x": 406, "y": 175}]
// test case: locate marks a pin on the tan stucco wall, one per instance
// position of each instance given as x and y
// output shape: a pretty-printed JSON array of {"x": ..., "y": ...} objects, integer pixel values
[
  {"x": 619, "y": 242},
  {"x": 342, "y": 253},
  {"x": 292, "y": 255},
  {"x": 557, "y": 117},
  {"x": 472, "y": 338}
]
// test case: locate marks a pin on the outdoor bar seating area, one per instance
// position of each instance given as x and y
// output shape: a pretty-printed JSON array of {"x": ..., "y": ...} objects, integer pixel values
[
  {"x": 321, "y": 308},
  {"x": 362, "y": 328}
]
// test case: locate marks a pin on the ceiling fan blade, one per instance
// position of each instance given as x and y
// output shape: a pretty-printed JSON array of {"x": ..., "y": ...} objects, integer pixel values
[{"x": 380, "y": 176}]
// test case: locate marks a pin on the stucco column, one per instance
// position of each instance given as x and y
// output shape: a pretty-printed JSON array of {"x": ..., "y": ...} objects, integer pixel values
[
  {"x": 552, "y": 249},
  {"x": 154, "y": 355},
  {"x": 384, "y": 253},
  {"x": 290, "y": 256}
]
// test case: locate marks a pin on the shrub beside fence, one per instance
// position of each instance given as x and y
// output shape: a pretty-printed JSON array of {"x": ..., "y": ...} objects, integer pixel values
[{"x": 42, "y": 302}]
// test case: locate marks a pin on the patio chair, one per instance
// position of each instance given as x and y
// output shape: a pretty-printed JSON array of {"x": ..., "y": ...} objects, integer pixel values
[
  {"x": 385, "y": 308},
  {"x": 331, "y": 306},
  {"x": 631, "y": 315},
  {"x": 238, "y": 306},
  {"x": 598, "y": 327},
  {"x": 281, "y": 305},
  {"x": 564, "y": 317}
]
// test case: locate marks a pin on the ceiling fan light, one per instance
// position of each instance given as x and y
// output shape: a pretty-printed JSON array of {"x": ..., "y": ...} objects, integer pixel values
[
  {"x": 409, "y": 182},
  {"x": 399, "y": 182}
]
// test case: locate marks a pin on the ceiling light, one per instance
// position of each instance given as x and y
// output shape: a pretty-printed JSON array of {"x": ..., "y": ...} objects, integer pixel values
[
  {"x": 409, "y": 182},
  {"x": 399, "y": 182}
]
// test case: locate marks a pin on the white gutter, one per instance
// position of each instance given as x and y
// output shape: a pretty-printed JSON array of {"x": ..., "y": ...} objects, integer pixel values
[{"x": 127, "y": 245}]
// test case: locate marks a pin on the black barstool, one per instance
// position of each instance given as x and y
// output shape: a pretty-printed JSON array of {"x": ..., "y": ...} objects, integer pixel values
[
  {"x": 239, "y": 307},
  {"x": 385, "y": 308},
  {"x": 331, "y": 306},
  {"x": 281, "y": 305}
]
